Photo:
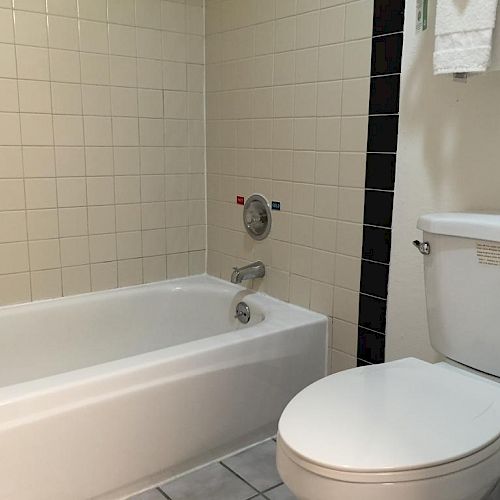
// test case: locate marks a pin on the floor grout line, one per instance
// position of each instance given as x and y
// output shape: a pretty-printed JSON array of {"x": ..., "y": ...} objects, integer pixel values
[
  {"x": 240, "y": 477},
  {"x": 163, "y": 493},
  {"x": 273, "y": 487}
]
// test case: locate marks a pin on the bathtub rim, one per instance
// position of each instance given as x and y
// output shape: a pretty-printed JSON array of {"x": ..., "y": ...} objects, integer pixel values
[{"x": 272, "y": 323}]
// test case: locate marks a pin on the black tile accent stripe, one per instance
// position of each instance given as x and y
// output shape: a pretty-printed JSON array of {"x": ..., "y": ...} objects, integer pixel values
[
  {"x": 383, "y": 133},
  {"x": 384, "y": 95},
  {"x": 374, "y": 278},
  {"x": 378, "y": 208},
  {"x": 380, "y": 171},
  {"x": 371, "y": 346},
  {"x": 372, "y": 312},
  {"x": 383, "y": 124},
  {"x": 386, "y": 54},
  {"x": 376, "y": 244},
  {"x": 388, "y": 16}
]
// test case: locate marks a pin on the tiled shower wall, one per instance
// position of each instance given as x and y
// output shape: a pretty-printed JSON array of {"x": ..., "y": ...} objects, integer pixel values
[
  {"x": 101, "y": 144},
  {"x": 288, "y": 91}
]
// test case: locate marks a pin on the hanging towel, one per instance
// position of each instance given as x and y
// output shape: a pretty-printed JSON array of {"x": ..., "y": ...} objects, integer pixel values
[{"x": 464, "y": 32}]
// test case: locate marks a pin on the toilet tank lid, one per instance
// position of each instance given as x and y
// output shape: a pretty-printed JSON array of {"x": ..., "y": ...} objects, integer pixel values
[{"x": 477, "y": 225}]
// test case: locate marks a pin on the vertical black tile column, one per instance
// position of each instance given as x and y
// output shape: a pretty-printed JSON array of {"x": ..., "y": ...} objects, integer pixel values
[{"x": 387, "y": 48}]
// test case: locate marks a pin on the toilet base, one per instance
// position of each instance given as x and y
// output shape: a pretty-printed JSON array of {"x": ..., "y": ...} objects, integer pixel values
[
  {"x": 495, "y": 494},
  {"x": 464, "y": 485}
]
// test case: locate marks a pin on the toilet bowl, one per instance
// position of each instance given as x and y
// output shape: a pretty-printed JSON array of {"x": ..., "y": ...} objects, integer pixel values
[{"x": 406, "y": 430}]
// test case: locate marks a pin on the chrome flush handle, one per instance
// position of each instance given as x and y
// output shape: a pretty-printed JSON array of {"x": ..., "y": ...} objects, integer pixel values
[{"x": 424, "y": 247}]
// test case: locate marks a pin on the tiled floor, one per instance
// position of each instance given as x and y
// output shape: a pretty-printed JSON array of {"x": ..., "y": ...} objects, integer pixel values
[{"x": 249, "y": 474}]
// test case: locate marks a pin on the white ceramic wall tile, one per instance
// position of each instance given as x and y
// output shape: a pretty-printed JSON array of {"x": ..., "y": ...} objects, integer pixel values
[
  {"x": 290, "y": 120},
  {"x": 62, "y": 7},
  {"x": 332, "y": 23},
  {"x": 6, "y": 26},
  {"x": 7, "y": 61},
  {"x": 31, "y": 5},
  {"x": 30, "y": 28},
  {"x": 92, "y": 9},
  {"x": 359, "y": 19},
  {"x": 82, "y": 144},
  {"x": 32, "y": 62}
]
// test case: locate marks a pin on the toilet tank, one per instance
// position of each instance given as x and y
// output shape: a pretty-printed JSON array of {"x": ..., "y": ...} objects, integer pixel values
[{"x": 462, "y": 285}]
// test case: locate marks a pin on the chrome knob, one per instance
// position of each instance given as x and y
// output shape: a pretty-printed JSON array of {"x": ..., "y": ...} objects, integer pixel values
[
  {"x": 257, "y": 217},
  {"x": 424, "y": 247}
]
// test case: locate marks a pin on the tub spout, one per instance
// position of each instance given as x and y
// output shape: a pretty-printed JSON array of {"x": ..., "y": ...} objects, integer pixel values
[{"x": 253, "y": 270}]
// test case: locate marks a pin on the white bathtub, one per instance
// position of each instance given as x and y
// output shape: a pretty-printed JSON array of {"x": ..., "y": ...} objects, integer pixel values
[{"x": 102, "y": 395}]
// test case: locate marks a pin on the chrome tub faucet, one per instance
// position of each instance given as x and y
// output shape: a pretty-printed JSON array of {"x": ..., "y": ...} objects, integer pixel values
[{"x": 249, "y": 272}]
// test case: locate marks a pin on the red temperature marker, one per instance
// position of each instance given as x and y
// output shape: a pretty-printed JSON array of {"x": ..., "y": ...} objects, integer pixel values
[{"x": 240, "y": 200}]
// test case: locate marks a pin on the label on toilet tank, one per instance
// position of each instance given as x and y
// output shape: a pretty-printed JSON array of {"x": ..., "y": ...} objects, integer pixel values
[
  {"x": 488, "y": 253},
  {"x": 421, "y": 20}
]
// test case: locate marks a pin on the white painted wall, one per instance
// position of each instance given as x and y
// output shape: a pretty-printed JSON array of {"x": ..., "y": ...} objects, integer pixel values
[{"x": 448, "y": 160}]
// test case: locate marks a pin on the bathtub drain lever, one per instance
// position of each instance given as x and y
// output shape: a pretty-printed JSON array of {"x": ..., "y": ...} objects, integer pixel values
[{"x": 242, "y": 313}]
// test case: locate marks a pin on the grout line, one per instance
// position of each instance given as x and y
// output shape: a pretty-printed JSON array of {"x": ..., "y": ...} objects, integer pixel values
[
  {"x": 239, "y": 477},
  {"x": 205, "y": 114},
  {"x": 23, "y": 170},
  {"x": 54, "y": 149},
  {"x": 163, "y": 493},
  {"x": 370, "y": 329},
  {"x": 273, "y": 487},
  {"x": 84, "y": 147}
]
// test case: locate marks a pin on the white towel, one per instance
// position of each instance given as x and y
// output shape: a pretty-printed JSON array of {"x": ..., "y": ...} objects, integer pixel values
[{"x": 464, "y": 32}]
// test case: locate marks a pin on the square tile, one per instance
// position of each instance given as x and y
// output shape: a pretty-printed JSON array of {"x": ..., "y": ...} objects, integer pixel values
[
  {"x": 31, "y": 5},
  {"x": 388, "y": 16},
  {"x": 371, "y": 346},
  {"x": 384, "y": 95},
  {"x": 332, "y": 23},
  {"x": 9, "y": 129},
  {"x": 380, "y": 171},
  {"x": 383, "y": 134},
  {"x": 280, "y": 493},
  {"x": 7, "y": 61},
  {"x": 378, "y": 208},
  {"x": 32, "y": 62},
  {"x": 62, "y": 7},
  {"x": 63, "y": 33},
  {"x": 359, "y": 19},
  {"x": 374, "y": 278},
  {"x": 376, "y": 244},
  {"x": 213, "y": 482},
  {"x": 257, "y": 465},
  {"x": 15, "y": 288},
  {"x": 6, "y": 26},
  {"x": 357, "y": 55},
  {"x": 30, "y": 28},
  {"x": 130, "y": 272},
  {"x": 341, "y": 361},
  {"x": 386, "y": 54},
  {"x": 372, "y": 313},
  {"x": 345, "y": 336}
]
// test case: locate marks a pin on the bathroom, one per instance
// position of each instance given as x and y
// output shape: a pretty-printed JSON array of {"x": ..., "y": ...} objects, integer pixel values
[{"x": 134, "y": 135}]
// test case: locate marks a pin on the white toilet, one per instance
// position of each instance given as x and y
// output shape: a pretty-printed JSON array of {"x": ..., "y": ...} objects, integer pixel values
[{"x": 411, "y": 430}]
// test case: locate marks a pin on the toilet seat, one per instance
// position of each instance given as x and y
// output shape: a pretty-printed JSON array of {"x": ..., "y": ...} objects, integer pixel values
[
  {"x": 401, "y": 421},
  {"x": 490, "y": 452}
]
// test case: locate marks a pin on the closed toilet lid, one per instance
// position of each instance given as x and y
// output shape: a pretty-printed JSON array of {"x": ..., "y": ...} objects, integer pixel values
[{"x": 398, "y": 416}]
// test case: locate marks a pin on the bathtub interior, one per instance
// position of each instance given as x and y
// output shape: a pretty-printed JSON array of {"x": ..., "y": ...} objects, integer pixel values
[{"x": 51, "y": 337}]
